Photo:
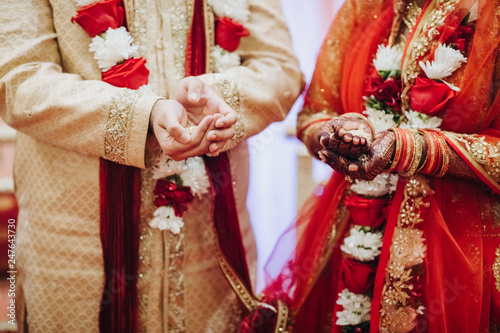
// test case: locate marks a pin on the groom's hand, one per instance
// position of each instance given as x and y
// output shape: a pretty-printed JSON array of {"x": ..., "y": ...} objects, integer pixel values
[
  {"x": 168, "y": 121},
  {"x": 200, "y": 100}
]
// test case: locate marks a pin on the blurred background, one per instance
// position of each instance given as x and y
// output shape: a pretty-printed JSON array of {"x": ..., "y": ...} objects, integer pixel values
[{"x": 282, "y": 174}]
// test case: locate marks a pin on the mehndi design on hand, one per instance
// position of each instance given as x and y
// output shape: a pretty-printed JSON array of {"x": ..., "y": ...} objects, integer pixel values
[
  {"x": 374, "y": 162},
  {"x": 350, "y": 135}
]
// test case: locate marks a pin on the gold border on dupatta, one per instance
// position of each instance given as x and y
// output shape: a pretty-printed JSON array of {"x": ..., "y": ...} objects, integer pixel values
[
  {"x": 396, "y": 315},
  {"x": 496, "y": 269},
  {"x": 424, "y": 39},
  {"x": 473, "y": 154}
]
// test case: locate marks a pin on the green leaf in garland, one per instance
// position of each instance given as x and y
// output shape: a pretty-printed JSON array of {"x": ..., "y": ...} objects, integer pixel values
[
  {"x": 176, "y": 178},
  {"x": 373, "y": 103},
  {"x": 394, "y": 73},
  {"x": 465, "y": 21}
]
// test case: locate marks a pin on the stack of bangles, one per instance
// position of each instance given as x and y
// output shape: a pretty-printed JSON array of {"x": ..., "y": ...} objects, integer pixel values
[{"x": 420, "y": 151}]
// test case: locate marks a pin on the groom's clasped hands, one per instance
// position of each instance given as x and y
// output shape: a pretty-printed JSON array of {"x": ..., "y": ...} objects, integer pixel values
[{"x": 198, "y": 121}]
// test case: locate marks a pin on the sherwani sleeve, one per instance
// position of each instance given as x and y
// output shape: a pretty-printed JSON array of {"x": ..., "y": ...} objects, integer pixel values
[
  {"x": 263, "y": 89},
  {"x": 62, "y": 109}
]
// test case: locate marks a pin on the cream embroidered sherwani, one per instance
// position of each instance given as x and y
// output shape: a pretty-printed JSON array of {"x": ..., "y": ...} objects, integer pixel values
[{"x": 51, "y": 92}]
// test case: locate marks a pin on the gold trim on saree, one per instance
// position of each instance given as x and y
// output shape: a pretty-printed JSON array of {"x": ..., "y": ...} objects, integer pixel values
[
  {"x": 484, "y": 157},
  {"x": 407, "y": 250},
  {"x": 424, "y": 40},
  {"x": 496, "y": 269}
]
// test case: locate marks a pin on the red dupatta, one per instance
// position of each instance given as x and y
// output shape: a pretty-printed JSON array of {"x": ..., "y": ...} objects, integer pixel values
[{"x": 306, "y": 283}]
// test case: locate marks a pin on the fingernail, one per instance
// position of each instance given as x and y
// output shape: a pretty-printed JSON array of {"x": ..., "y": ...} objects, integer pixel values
[
  {"x": 322, "y": 157},
  {"x": 324, "y": 138},
  {"x": 353, "y": 168},
  {"x": 193, "y": 96}
]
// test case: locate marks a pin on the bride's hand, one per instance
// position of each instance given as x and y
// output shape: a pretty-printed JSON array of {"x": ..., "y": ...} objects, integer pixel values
[
  {"x": 349, "y": 135},
  {"x": 369, "y": 165}
]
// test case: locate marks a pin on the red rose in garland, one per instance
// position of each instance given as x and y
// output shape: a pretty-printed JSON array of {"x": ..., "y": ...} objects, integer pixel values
[
  {"x": 131, "y": 74},
  {"x": 98, "y": 17},
  {"x": 387, "y": 91},
  {"x": 458, "y": 34},
  {"x": 461, "y": 37},
  {"x": 228, "y": 33},
  {"x": 168, "y": 193},
  {"x": 367, "y": 212},
  {"x": 358, "y": 276},
  {"x": 429, "y": 97}
]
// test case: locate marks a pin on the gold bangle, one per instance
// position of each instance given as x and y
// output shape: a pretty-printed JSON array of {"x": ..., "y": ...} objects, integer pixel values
[
  {"x": 432, "y": 153},
  {"x": 407, "y": 148},
  {"x": 446, "y": 157},
  {"x": 426, "y": 157},
  {"x": 397, "y": 152},
  {"x": 417, "y": 154}
]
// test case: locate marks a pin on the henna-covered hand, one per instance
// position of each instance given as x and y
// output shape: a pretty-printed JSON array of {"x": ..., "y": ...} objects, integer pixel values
[
  {"x": 349, "y": 135},
  {"x": 377, "y": 159}
]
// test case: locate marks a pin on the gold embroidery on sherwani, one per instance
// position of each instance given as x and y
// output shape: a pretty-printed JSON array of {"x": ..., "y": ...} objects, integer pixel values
[
  {"x": 282, "y": 321},
  {"x": 496, "y": 269},
  {"x": 210, "y": 35},
  {"x": 426, "y": 36},
  {"x": 226, "y": 88},
  {"x": 180, "y": 15},
  {"x": 406, "y": 251},
  {"x": 136, "y": 13},
  {"x": 176, "y": 308},
  {"x": 117, "y": 126}
]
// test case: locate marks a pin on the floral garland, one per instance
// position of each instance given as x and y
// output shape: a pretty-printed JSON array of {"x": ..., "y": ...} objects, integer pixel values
[
  {"x": 429, "y": 95},
  {"x": 178, "y": 183}
]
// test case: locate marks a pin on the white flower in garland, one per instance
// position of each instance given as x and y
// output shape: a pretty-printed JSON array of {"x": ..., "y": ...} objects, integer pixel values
[
  {"x": 388, "y": 58},
  {"x": 380, "y": 120},
  {"x": 383, "y": 184},
  {"x": 191, "y": 173},
  {"x": 113, "y": 47},
  {"x": 419, "y": 120},
  {"x": 195, "y": 176},
  {"x": 224, "y": 60},
  {"x": 165, "y": 166},
  {"x": 83, "y": 3},
  {"x": 356, "y": 308},
  {"x": 446, "y": 61},
  {"x": 362, "y": 245},
  {"x": 165, "y": 219},
  {"x": 237, "y": 10}
]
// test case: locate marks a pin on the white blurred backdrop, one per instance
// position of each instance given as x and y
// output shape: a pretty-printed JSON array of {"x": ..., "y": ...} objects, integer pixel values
[{"x": 272, "y": 198}]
